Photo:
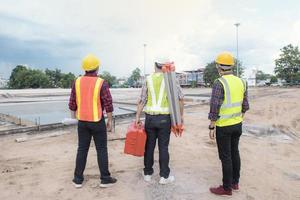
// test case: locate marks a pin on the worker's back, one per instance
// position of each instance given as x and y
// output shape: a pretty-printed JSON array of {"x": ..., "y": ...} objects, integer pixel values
[
  {"x": 88, "y": 98},
  {"x": 157, "y": 102},
  {"x": 231, "y": 109}
]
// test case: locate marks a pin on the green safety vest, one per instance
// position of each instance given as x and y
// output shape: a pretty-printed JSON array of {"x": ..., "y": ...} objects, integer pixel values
[
  {"x": 231, "y": 109},
  {"x": 157, "y": 102}
]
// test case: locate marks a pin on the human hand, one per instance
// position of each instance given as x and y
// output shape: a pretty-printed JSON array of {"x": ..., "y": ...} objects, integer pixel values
[
  {"x": 212, "y": 134},
  {"x": 109, "y": 126},
  {"x": 73, "y": 114},
  {"x": 138, "y": 123}
]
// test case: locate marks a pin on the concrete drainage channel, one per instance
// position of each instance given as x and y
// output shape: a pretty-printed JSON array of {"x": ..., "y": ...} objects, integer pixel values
[
  {"x": 14, "y": 125},
  {"x": 47, "y": 127},
  {"x": 268, "y": 131}
]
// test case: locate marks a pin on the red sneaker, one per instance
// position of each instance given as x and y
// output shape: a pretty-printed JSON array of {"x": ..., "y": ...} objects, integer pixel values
[
  {"x": 220, "y": 191},
  {"x": 235, "y": 186}
]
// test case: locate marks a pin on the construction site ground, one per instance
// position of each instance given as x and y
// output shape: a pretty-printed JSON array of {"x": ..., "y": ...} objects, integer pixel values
[{"x": 41, "y": 167}]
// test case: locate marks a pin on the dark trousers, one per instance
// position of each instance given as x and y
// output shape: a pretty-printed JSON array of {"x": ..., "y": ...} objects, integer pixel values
[
  {"x": 87, "y": 130},
  {"x": 157, "y": 127},
  {"x": 228, "y": 146}
]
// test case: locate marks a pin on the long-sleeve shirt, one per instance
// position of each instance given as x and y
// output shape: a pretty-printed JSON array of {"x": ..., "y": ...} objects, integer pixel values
[
  {"x": 105, "y": 96},
  {"x": 144, "y": 94},
  {"x": 217, "y": 99}
]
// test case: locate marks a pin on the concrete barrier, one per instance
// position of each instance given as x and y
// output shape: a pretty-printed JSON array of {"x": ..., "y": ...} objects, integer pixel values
[
  {"x": 47, "y": 127},
  {"x": 15, "y": 120},
  {"x": 36, "y": 128}
]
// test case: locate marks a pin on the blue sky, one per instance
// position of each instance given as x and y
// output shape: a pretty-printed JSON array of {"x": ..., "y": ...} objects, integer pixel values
[{"x": 58, "y": 33}]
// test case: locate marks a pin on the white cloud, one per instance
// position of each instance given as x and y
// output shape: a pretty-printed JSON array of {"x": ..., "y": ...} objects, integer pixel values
[
  {"x": 191, "y": 32},
  {"x": 5, "y": 69}
]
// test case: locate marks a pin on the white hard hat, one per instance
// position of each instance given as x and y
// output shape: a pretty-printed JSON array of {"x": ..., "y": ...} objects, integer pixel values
[{"x": 162, "y": 61}]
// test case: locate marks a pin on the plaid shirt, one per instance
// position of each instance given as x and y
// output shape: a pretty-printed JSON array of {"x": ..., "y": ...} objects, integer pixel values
[
  {"x": 105, "y": 96},
  {"x": 217, "y": 99},
  {"x": 144, "y": 94}
]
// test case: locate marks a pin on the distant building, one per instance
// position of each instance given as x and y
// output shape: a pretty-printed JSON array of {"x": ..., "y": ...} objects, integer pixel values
[
  {"x": 185, "y": 78},
  {"x": 263, "y": 82},
  {"x": 121, "y": 81},
  {"x": 281, "y": 82},
  {"x": 182, "y": 78},
  {"x": 190, "y": 77}
]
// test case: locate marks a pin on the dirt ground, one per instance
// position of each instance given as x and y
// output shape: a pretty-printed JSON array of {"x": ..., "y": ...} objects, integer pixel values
[{"x": 42, "y": 168}]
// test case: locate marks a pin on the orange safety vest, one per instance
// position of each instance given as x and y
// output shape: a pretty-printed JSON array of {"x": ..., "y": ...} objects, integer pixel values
[{"x": 88, "y": 98}]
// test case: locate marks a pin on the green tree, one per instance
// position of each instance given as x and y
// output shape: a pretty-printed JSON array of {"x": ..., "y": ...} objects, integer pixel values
[
  {"x": 23, "y": 77},
  {"x": 130, "y": 82},
  {"x": 54, "y": 76},
  {"x": 211, "y": 72},
  {"x": 136, "y": 74},
  {"x": 112, "y": 80},
  {"x": 288, "y": 64},
  {"x": 17, "y": 77},
  {"x": 260, "y": 75},
  {"x": 273, "y": 79},
  {"x": 297, "y": 78},
  {"x": 66, "y": 80},
  {"x": 133, "y": 80},
  {"x": 241, "y": 68},
  {"x": 194, "y": 84},
  {"x": 37, "y": 79}
]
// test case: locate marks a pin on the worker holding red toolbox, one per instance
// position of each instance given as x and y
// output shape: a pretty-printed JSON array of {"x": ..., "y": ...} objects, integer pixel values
[{"x": 154, "y": 97}]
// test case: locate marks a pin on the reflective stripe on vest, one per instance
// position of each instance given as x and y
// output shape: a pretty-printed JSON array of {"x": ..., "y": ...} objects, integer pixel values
[
  {"x": 156, "y": 105},
  {"x": 229, "y": 104},
  {"x": 88, "y": 98},
  {"x": 230, "y": 115},
  {"x": 230, "y": 111}
]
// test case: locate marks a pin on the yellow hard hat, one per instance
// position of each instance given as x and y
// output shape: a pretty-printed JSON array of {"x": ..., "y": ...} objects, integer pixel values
[
  {"x": 225, "y": 58},
  {"x": 90, "y": 63}
]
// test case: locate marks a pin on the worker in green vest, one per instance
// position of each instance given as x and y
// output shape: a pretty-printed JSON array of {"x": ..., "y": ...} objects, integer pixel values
[
  {"x": 157, "y": 122},
  {"x": 228, "y": 105}
]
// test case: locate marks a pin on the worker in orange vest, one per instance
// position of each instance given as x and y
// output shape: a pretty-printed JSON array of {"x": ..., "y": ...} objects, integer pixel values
[{"x": 89, "y": 97}]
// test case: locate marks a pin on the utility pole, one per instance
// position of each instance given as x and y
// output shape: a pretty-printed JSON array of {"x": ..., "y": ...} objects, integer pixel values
[
  {"x": 237, "y": 48},
  {"x": 145, "y": 45}
]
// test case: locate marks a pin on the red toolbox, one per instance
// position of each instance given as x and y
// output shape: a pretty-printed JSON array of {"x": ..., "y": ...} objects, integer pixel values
[{"x": 135, "y": 140}]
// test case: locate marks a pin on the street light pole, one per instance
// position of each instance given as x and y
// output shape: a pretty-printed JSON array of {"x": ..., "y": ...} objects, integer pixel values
[
  {"x": 237, "y": 48},
  {"x": 145, "y": 45}
]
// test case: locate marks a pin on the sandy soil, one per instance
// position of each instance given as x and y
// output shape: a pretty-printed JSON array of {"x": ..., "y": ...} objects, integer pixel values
[{"x": 43, "y": 168}]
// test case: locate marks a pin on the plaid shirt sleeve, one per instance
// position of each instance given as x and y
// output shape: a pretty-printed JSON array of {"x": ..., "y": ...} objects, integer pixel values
[
  {"x": 245, "y": 105},
  {"x": 144, "y": 95},
  {"x": 106, "y": 98},
  {"x": 180, "y": 92},
  {"x": 217, "y": 98},
  {"x": 72, "y": 100}
]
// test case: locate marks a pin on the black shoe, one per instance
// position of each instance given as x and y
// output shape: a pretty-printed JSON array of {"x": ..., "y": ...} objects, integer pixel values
[{"x": 108, "y": 182}]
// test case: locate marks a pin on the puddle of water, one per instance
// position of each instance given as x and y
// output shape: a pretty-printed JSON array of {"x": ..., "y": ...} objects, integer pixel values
[{"x": 46, "y": 112}]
